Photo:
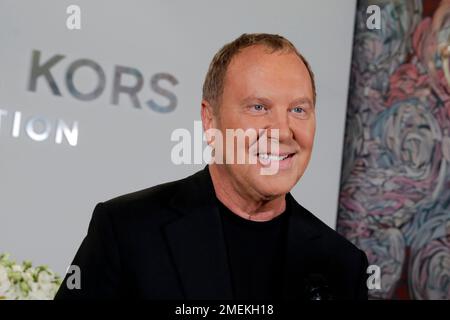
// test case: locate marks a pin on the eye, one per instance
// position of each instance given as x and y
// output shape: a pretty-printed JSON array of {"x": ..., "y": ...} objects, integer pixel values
[
  {"x": 298, "y": 110},
  {"x": 258, "y": 107}
]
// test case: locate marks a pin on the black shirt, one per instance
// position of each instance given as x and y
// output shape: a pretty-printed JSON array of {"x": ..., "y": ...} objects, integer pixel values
[{"x": 255, "y": 253}]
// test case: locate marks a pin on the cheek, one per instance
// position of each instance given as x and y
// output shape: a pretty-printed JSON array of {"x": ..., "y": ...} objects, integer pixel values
[
  {"x": 304, "y": 136},
  {"x": 229, "y": 117}
]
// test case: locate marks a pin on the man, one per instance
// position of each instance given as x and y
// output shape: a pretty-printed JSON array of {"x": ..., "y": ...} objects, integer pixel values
[{"x": 229, "y": 231}]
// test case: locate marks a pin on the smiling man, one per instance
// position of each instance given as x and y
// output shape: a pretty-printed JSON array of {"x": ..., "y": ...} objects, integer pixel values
[{"x": 229, "y": 231}]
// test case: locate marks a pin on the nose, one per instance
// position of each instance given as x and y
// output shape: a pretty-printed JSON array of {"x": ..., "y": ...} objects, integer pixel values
[{"x": 279, "y": 119}]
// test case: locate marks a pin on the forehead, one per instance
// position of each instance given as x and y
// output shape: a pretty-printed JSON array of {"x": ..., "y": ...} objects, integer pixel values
[{"x": 256, "y": 70}]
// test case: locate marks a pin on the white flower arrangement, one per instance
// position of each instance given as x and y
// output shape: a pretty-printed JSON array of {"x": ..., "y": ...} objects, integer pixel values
[{"x": 25, "y": 282}]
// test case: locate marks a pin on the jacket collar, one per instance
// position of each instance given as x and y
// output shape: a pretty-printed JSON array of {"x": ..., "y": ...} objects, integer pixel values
[{"x": 198, "y": 246}]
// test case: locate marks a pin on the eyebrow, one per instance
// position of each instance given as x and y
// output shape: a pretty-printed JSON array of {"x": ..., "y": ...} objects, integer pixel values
[{"x": 263, "y": 100}]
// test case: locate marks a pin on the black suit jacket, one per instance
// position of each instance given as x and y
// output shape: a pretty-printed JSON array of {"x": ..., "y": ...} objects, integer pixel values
[{"x": 166, "y": 242}]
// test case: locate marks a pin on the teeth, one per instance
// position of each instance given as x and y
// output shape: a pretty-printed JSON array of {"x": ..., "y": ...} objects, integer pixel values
[{"x": 271, "y": 157}]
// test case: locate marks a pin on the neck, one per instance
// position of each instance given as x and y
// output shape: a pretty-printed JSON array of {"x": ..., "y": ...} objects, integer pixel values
[{"x": 247, "y": 204}]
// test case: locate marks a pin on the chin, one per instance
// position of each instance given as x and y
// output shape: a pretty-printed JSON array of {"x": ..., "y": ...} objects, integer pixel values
[{"x": 276, "y": 185}]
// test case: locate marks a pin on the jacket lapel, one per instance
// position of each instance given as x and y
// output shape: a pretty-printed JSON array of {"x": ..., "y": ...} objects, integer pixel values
[
  {"x": 197, "y": 242},
  {"x": 198, "y": 248},
  {"x": 301, "y": 250}
]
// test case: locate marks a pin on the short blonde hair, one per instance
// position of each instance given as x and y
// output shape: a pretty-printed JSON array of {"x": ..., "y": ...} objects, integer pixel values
[{"x": 215, "y": 77}]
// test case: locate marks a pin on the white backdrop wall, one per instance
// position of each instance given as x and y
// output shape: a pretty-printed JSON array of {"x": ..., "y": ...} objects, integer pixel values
[{"x": 48, "y": 189}]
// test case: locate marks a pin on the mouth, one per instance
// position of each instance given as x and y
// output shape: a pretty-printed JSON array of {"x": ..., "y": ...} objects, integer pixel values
[{"x": 267, "y": 158}]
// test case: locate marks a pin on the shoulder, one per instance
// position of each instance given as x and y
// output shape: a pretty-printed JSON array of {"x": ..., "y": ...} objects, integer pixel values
[
  {"x": 149, "y": 204},
  {"x": 334, "y": 244},
  {"x": 343, "y": 262},
  {"x": 153, "y": 196}
]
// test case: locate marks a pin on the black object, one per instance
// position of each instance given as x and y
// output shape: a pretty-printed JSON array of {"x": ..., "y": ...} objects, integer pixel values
[
  {"x": 316, "y": 288},
  {"x": 167, "y": 243}
]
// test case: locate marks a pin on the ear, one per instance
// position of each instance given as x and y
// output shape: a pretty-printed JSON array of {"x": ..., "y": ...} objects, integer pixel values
[{"x": 208, "y": 117}]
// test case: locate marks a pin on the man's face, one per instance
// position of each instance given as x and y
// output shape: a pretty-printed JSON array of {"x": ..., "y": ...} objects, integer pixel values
[{"x": 264, "y": 90}]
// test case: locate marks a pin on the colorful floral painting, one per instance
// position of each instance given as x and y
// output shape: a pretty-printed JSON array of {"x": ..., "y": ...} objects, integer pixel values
[{"x": 395, "y": 186}]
